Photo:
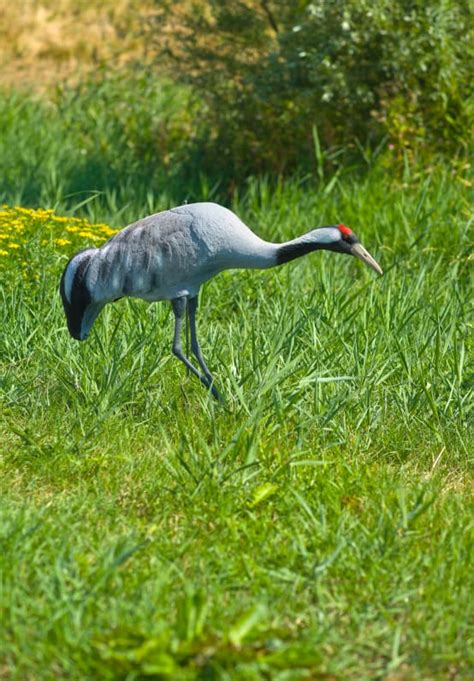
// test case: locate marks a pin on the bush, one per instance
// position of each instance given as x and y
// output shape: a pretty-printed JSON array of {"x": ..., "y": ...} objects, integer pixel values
[{"x": 267, "y": 72}]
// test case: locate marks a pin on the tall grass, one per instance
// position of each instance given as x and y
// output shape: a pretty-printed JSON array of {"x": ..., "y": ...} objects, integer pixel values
[
  {"x": 318, "y": 525},
  {"x": 122, "y": 143},
  {"x": 123, "y": 134}
]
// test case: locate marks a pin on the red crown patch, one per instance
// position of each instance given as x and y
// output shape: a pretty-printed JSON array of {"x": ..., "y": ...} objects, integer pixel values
[{"x": 344, "y": 230}]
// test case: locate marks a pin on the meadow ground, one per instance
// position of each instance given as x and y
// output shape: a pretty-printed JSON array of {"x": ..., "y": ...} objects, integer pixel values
[{"x": 318, "y": 525}]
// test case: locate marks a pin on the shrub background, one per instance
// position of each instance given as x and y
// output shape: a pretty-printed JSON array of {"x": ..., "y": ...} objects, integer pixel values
[
  {"x": 192, "y": 98},
  {"x": 360, "y": 71}
]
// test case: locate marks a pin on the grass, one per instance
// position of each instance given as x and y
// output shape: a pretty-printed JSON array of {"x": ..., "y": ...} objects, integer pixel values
[
  {"x": 122, "y": 133},
  {"x": 317, "y": 526}
]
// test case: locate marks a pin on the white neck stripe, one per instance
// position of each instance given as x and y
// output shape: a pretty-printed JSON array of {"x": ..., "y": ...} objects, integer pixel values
[{"x": 70, "y": 274}]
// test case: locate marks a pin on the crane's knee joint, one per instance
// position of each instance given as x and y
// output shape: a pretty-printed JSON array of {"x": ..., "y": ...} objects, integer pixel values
[{"x": 177, "y": 352}]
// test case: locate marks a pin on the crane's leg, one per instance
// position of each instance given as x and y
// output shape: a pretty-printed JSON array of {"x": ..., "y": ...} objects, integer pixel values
[
  {"x": 195, "y": 347},
  {"x": 179, "y": 309}
]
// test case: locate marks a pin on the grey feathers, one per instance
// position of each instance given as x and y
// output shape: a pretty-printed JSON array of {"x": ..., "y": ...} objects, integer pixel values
[{"x": 161, "y": 257}]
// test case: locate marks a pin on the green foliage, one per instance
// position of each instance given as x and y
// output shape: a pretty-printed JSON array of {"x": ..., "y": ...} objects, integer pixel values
[
  {"x": 127, "y": 121},
  {"x": 119, "y": 132},
  {"x": 360, "y": 71},
  {"x": 319, "y": 525}
]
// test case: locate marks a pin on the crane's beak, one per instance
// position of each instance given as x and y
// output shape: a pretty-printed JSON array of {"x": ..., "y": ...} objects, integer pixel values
[{"x": 359, "y": 251}]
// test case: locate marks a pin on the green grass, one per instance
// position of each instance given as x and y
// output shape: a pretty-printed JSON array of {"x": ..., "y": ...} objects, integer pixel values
[
  {"x": 125, "y": 133},
  {"x": 317, "y": 526}
]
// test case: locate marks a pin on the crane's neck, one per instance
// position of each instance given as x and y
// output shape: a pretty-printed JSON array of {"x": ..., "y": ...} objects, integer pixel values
[
  {"x": 263, "y": 254},
  {"x": 324, "y": 238}
]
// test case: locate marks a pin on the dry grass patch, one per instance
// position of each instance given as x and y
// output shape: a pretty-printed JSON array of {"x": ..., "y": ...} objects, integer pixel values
[{"x": 46, "y": 41}]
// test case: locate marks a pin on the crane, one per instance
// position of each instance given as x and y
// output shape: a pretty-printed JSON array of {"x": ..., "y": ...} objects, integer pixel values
[{"x": 169, "y": 255}]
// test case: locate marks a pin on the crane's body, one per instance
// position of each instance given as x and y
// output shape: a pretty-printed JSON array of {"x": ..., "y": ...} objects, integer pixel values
[{"x": 169, "y": 255}]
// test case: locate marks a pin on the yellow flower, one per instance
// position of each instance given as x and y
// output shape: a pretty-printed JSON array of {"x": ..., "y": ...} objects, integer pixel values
[
  {"x": 2, "y": 252},
  {"x": 107, "y": 230},
  {"x": 18, "y": 223}
]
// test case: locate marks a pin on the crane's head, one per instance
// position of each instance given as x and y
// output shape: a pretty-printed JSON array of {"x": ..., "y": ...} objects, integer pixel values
[
  {"x": 345, "y": 241},
  {"x": 79, "y": 305},
  {"x": 337, "y": 238}
]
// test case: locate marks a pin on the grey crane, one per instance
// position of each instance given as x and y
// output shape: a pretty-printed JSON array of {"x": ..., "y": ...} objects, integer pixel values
[{"x": 169, "y": 255}]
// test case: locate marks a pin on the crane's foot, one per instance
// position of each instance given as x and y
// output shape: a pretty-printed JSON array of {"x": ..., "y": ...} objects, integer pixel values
[{"x": 215, "y": 393}]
